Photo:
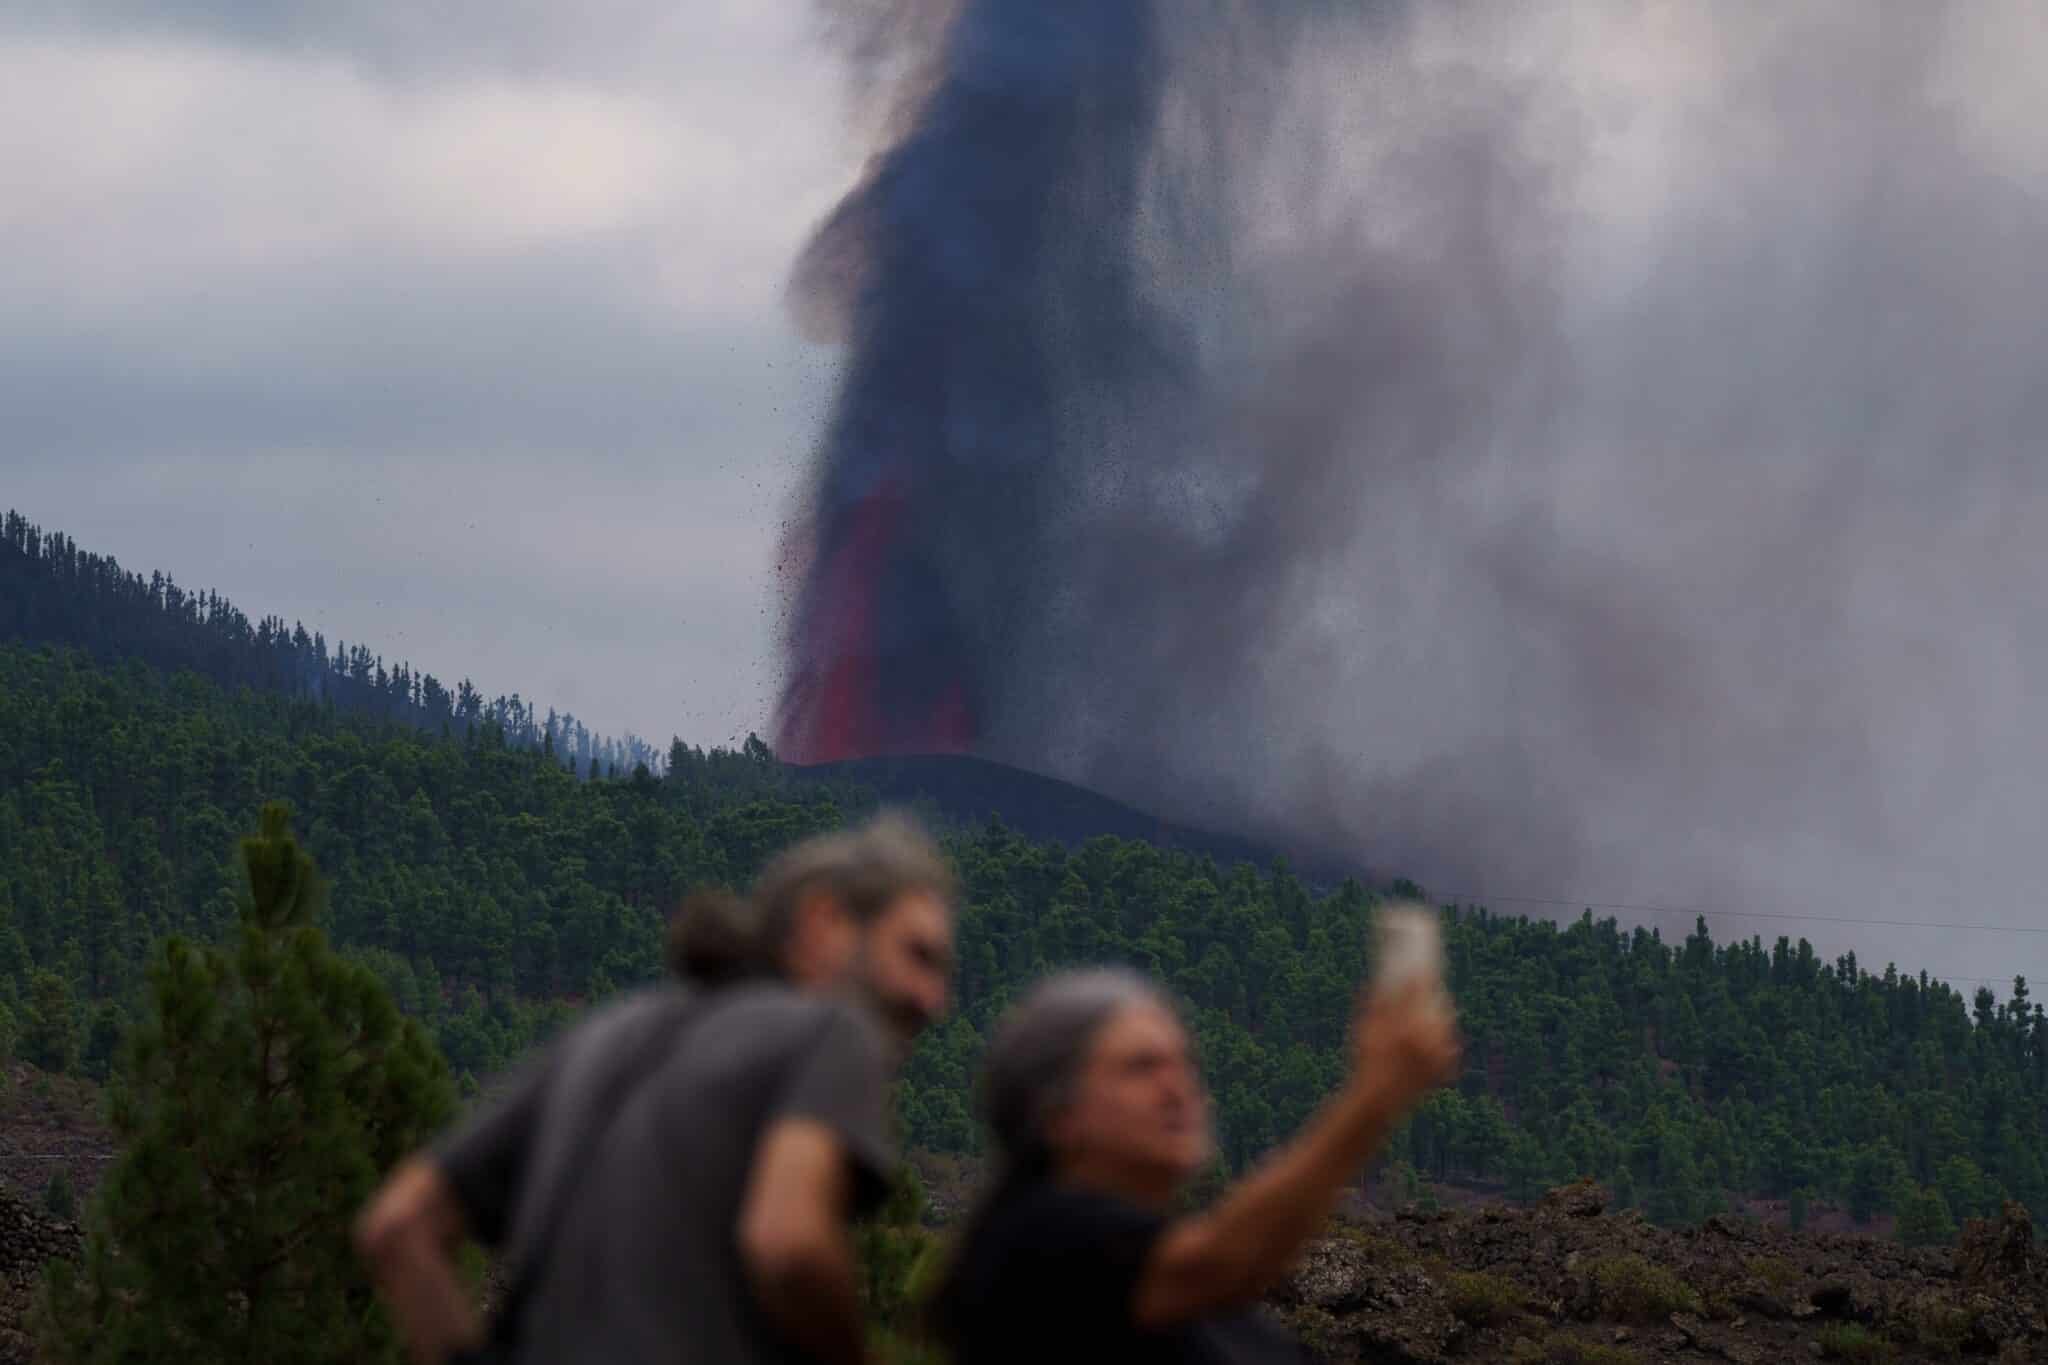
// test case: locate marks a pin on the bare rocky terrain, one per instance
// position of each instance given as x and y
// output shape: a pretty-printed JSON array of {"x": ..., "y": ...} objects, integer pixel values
[
  {"x": 1565, "y": 1282},
  {"x": 51, "y": 1124},
  {"x": 29, "y": 1240}
]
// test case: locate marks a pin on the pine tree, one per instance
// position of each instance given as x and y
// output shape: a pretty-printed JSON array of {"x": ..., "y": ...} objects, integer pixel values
[
  {"x": 1924, "y": 1219},
  {"x": 102, "y": 1041},
  {"x": 270, "y": 1085},
  {"x": 1525, "y": 1167},
  {"x": 1400, "y": 1181},
  {"x": 51, "y": 1039},
  {"x": 894, "y": 1251}
]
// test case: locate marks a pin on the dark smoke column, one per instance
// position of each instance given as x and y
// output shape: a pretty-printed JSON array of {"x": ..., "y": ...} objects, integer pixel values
[{"x": 981, "y": 266}]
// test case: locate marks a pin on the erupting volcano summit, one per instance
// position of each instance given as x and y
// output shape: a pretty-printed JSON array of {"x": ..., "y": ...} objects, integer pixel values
[{"x": 979, "y": 268}]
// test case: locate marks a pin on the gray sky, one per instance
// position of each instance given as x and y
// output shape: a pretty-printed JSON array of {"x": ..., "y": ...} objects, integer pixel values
[
  {"x": 458, "y": 335},
  {"x": 460, "y": 330}
]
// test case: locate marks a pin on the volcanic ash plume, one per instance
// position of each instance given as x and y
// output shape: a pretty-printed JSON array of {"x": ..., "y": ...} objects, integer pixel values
[
  {"x": 1582, "y": 450},
  {"x": 981, "y": 266}
]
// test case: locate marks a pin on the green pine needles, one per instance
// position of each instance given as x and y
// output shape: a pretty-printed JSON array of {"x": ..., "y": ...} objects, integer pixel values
[{"x": 269, "y": 1087}]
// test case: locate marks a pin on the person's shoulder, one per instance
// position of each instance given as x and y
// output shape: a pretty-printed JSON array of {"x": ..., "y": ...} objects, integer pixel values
[
  {"x": 1055, "y": 1214},
  {"x": 772, "y": 1004},
  {"x": 1049, "y": 1238},
  {"x": 777, "y": 1017},
  {"x": 604, "y": 1019},
  {"x": 615, "y": 1023},
  {"x": 621, "y": 1013},
  {"x": 759, "y": 1004}
]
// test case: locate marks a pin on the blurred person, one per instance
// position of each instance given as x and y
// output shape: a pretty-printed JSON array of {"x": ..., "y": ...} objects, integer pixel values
[
  {"x": 673, "y": 1179},
  {"x": 1098, "y": 1120}
]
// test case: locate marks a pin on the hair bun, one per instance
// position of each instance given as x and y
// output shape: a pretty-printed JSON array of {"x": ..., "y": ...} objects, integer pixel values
[{"x": 713, "y": 939}]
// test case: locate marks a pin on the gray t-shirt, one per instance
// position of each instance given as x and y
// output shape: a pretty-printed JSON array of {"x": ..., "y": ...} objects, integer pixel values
[{"x": 643, "y": 1265}]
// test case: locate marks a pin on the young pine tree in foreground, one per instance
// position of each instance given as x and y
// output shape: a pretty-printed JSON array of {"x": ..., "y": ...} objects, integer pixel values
[
  {"x": 897, "y": 1256},
  {"x": 266, "y": 1091}
]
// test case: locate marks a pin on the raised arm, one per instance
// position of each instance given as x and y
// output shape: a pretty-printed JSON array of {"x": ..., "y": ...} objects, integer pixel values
[{"x": 1406, "y": 1045}]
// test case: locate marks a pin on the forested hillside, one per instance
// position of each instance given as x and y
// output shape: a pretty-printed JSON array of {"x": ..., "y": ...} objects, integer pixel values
[
  {"x": 53, "y": 592},
  {"x": 494, "y": 892}
]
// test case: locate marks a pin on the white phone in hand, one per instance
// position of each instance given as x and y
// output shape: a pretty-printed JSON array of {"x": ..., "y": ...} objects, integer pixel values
[{"x": 1411, "y": 946}]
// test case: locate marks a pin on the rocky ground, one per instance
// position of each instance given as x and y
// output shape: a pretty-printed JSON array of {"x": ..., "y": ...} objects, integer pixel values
[
  {"x": 1561, "y": 1282},
  {"x": 1565, "y": 1282},
  {"x": 29, "y": 1239},
  {"x": 48, "y": 1124},
  {"x": 51, "y": 1124}
]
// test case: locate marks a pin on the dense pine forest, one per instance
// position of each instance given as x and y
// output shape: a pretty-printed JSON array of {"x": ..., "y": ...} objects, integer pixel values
[
  {"x": 494, "y": 891},
  {"x": 52, "y": 591}
]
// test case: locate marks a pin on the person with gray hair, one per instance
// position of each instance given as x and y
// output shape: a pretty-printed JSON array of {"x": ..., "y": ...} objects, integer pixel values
[
  {"x": 1097, "y": 1120},
  {"x": 673, "y": 1179}
]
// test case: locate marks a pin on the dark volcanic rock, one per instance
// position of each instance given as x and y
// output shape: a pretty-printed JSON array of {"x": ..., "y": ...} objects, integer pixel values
[
  {"x": 29, "y": 1240},
  {"x": 1998, "y": 1250},
  {"x": 1564, "y": 1281},
  {"x": 1350, "y": 1301},
  {"x": 968, "y": 790}
]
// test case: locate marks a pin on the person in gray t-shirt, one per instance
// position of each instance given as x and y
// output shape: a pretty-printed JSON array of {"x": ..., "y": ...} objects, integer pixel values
[{"x": 710, "y": 1221}]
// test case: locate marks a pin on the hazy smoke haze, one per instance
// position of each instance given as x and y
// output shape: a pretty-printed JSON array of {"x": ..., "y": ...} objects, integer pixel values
[{"x": 1592, "y": 454}]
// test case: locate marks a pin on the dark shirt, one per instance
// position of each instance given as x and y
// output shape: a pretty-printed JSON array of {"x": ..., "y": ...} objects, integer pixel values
[
  {"x": 643, "y": 1264},
  {"x": 1052, "y": 1276}
]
